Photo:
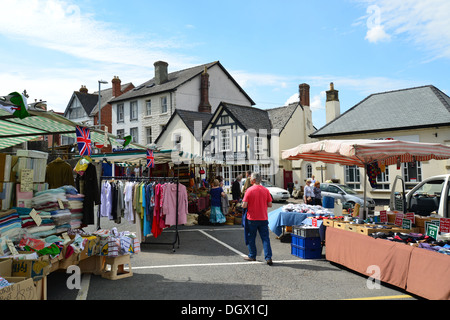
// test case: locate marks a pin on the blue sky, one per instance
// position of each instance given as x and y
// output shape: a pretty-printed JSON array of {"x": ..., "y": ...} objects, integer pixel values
[{"x": 52, "y": 47}]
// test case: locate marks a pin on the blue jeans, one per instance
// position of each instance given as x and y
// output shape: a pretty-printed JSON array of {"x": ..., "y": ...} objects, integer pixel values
[{"x": 261, "y": 226}]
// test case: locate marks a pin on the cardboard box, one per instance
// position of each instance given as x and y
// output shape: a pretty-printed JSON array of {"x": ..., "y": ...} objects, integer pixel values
[
  {"x": 22, "y": 289},
  {"x": 35, "y": 269},
  {"x": 90, "y": 248},
  {"x": 6, "y": 267}
]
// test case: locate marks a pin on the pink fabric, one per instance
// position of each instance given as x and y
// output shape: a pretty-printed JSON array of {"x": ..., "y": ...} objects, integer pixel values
[{"x": 169, "y": 204}]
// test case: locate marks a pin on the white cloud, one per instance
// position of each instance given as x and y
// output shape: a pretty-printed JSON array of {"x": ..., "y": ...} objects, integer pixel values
[
  {"x": 424, "y": 23},
  {"x": 63, "y": 26},
  {"x": 377, "y": 34}
]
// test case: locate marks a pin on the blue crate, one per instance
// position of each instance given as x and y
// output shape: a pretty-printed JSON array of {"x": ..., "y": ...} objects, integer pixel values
[
  {"x": 304, "y": 253},
  {"x": 308, "y": 243}
]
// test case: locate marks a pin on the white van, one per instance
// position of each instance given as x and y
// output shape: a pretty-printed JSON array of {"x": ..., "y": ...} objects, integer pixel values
[{"x": 428, "y": 197}]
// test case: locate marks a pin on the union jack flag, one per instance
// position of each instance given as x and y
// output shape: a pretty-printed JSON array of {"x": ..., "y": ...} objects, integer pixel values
[
  {"x": 150, "y": 159},
  {"x": 84, "y": 141}
]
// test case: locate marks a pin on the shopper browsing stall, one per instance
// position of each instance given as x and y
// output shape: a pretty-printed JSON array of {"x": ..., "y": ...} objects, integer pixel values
[
  {"x": 216, "y": 193},
  {"x": 317, "y": 194},
  {"x": 308, "y": 195}
]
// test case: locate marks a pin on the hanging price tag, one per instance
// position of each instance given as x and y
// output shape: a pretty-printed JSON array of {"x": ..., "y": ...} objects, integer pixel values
[
  {"x": 410, "y": 216},
  {"x": 36, "y": 217},
  {"x": 444, "y": 225},
  {"x": 406, "y": 224},
  {"x": 383, "y": 216},
  {"x": 432, "y": 231},
  {"x": 398, "y": 219}
]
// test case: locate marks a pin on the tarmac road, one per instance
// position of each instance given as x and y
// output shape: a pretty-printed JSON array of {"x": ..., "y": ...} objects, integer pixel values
[{"x": 209, "y": 265}]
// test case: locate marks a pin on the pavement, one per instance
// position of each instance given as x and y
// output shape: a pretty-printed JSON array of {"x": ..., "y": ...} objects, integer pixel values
[{"x": 208, "y": 265}]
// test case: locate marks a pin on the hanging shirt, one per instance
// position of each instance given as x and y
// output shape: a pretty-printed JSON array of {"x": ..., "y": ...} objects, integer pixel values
[{"x": 105, "y": 198}]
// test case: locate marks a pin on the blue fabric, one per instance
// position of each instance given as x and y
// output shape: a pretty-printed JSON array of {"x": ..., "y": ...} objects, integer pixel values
[
  {"x": 216, "y": 215},
  {"x": 261, "y": 227},
  {"x": 245, "y": 225},
  {"x": 279, "y": 218},
  {"x": 215, "y": 196}
]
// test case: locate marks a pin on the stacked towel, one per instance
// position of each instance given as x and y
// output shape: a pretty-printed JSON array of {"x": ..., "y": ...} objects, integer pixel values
[
  {"x": 10, "y": 224},
  {"x": 75, "y": 205}
]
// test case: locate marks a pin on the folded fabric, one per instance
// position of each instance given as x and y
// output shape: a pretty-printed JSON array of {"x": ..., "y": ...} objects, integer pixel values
[{"x": 4, "y": 283}]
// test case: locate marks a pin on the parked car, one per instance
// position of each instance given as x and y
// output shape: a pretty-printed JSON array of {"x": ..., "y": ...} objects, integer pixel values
[
  {"x": 346, "y": 195},
  {"x": 278, "y": 194}
]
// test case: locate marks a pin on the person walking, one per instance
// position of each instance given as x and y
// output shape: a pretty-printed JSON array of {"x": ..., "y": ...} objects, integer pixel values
[
  {"x": 247, "y": 183},
  {"x": 308, "y": 193},
  {"x": 317, "y": 194},
  {"x": 216, "y": 193},
  {"x": 236, "y": 188},
  {"x": 256, "y": 200}
]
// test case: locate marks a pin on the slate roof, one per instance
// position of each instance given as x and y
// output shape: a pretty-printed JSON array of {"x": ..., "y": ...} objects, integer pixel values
[
  {"x": 188, "y": 117},
  {"x": 410, "y": 108},
  {"x": 175, "y": 79},
  {"x": 279, "y": 117},
  {"x": 248, "y": 117},
  {"x": 87, "y": 100}
]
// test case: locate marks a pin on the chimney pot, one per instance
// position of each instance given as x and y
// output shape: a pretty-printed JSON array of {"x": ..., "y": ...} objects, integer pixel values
[
  {"x": 304, "y": 94},
  {"x": 161, "y": 75},
  {"x": 332, "y": 95},
  {"x": 116, "y": 89},
  {"x": 204, "y": 105},
  {"x": 83, "y": 89}
]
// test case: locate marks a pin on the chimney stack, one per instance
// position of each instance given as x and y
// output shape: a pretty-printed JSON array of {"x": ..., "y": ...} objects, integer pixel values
[
  {"x": 332, "y": 105},
  {"x": 83, "y": 89},
  {"x": 116, "y": 89},
  {"x": 204, "y": 105},
  {"x": 161, "y": 75},
  {"x": 304, "y": 94}
]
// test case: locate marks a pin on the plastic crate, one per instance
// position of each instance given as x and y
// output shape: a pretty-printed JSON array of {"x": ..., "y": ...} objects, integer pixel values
[
  {"x": 305, "y": 253},
  {"x": 306, "y": 231},
  {"x": 308, "y": 243}
]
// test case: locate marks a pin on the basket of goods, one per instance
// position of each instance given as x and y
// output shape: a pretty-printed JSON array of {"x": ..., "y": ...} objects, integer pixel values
[
  {"x": 230, "y": 220},
  {"x": 238, "y": 218}
]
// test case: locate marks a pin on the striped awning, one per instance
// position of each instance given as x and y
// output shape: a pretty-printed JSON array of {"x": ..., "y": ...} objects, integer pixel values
[
  {"x": 161, "y": 156},
  {"x": 363, "y": 151},
  {"x": 14, "y": 131}
]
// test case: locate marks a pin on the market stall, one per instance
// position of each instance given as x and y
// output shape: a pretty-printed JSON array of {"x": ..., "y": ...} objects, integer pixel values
[
  {"x": 395, "y": 243},
  {"x": 367, "y": 154}
]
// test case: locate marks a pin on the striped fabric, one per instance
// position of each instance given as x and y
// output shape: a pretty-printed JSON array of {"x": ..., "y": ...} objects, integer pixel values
[
  {"x": 363, "y": 151},
  {"x": 14, "y": 130}
]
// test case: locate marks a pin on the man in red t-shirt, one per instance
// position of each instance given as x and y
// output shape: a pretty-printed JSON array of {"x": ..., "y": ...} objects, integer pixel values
[{"x": 256, "y": 200}]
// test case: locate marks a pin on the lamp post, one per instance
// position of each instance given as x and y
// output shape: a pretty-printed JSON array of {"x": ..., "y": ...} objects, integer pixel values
[{"x": 99, "y": 103}]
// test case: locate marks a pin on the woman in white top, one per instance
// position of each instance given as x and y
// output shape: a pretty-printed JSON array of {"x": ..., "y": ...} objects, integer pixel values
[{"x": 308, "y": 193}]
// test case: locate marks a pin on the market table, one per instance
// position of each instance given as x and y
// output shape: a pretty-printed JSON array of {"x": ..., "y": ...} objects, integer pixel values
[
  {"x": 416, "y": 270},
  {"x": 279, "y": 219}
]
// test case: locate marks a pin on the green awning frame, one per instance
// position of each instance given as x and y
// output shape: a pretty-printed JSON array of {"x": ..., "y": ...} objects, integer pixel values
[{"x": 14, "y": 131}]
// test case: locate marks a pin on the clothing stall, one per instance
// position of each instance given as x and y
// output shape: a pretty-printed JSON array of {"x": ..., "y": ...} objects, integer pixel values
[{"x": 152, "y": 204}]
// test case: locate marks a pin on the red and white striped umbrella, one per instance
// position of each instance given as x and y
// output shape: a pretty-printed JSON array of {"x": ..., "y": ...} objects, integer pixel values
[{"x": 360, "y": 152}]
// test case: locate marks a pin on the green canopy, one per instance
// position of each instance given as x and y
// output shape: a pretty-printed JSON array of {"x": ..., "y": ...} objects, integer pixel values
[{"x": 14, "y": 131}]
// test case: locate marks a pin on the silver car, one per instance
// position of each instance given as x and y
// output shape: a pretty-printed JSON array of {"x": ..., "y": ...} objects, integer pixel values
[{"x": 345, "y": 194}]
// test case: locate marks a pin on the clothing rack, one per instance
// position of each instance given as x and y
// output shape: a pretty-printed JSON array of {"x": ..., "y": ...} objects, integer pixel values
[{"x": 149, "y": 179}]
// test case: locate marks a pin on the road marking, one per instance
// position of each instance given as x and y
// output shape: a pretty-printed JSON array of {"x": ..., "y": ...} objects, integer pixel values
[
  {"x": 404, "y": 296},
  {"x": 224, "y": 244},
  {"x": 220, "y": 264},
  {"x": 82, "y": 294}
]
